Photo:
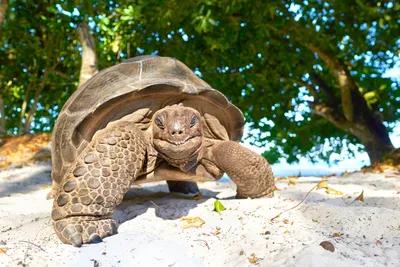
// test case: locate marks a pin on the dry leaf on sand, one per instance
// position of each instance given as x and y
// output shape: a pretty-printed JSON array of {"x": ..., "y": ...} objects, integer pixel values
[
  {"x": 329, "y": 190},
  {"x": 192, "y": 222},
  {"x": 253, "y": 259},
  {"x": 360, "y": 197}
]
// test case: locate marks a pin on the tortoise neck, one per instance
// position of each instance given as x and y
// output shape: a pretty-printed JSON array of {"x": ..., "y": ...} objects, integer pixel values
[{"x": 187, "y": 163}]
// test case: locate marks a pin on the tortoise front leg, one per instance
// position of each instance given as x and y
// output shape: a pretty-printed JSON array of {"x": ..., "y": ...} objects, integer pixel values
[
  {"x": 249, "y": 171},
  {"x": 96, "y": 183}
]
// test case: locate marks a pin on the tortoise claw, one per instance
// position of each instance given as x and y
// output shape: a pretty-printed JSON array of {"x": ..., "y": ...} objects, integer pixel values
[
  {"x": 95, "y": 238},
  {"x": 76, "y": 240}
]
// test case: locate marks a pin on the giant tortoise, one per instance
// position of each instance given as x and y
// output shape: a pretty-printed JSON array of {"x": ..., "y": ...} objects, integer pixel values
[{"x": 146, "y": 119}]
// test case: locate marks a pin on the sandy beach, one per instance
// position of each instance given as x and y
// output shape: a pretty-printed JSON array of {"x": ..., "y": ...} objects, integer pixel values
[{"x": 160, "y": 229}]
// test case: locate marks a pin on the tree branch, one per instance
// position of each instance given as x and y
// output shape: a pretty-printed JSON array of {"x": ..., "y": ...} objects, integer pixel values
[
  {"x": 331, "y": 115},
  {"x": 343, "y": 79},
  {"x": 310, "y": 88},
  {"x": 326, "y": 89},
  {"x": 64, "y": 75}
]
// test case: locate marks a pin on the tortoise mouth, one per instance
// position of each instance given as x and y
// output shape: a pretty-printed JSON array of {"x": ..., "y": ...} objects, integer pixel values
[
  {"x": 179, "y": 143},
  {"x": 178, "y": 150}
]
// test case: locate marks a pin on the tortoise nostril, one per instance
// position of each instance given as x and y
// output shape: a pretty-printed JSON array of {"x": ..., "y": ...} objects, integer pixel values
[
  {"x": 180, "y": 132},
  {"x": 177, "y": 129}
]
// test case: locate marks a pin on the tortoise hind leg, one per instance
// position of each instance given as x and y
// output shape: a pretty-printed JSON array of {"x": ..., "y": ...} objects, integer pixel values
[
  {"x": 184, "y": 187},
  {"x": 249, "y": 171},
  {"x": 97, "y": 182}
]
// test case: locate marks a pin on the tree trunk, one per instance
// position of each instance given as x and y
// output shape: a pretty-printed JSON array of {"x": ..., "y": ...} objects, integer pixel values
[
  {"x": 378, "y": 148},
  {"x": 89, "y": 57},
  {"x": 375, "y": 138},
  {"x": 23, "y": 110},
  {"x": 32, "y": 110},
  {"x": 3, "y": 11},
  {"x": 31, "y": 114},
  {"x": 2, "y": 117}
]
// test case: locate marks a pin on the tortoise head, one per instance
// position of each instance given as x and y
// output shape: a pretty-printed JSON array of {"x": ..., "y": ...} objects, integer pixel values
[{"x": 178, "y": 135}]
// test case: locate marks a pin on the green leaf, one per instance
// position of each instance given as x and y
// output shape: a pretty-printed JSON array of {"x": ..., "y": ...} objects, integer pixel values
[{"x": 218, "y": 207}]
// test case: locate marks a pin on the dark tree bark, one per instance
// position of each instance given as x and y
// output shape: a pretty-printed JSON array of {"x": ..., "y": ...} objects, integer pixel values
[{"x": 89, "y": 56}]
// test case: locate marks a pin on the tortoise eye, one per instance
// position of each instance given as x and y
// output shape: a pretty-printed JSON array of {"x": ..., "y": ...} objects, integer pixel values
[
  {"x": 193, "y": 121},
  {"x": 159, "y": 124}
]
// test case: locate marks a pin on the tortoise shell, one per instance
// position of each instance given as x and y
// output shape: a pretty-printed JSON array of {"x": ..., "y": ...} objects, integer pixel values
[{"x": 134, "y": 90}]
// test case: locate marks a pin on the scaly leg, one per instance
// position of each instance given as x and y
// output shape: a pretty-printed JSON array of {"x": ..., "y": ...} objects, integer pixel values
[
  {"x": 97, "y": 182},
  {"x": 248, "y": 170}
]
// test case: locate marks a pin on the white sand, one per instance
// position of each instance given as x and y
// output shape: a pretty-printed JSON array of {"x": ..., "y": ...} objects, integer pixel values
[{"x": 151, "y": 234}]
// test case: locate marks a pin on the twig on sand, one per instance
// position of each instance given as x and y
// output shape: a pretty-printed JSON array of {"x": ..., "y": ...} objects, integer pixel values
[
  {"x": 205, "y": 242},
  {"x": 33, "y": 244},
  {"x": 154, "y": 204},
  {"x": 298, "y": 204},
  {"x": 157, "y": 209}
]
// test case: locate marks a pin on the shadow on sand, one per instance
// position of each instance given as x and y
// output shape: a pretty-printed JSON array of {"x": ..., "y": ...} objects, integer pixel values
[
  {"x": 20, "y": 180},
  {"x": 168, "y": 206}
]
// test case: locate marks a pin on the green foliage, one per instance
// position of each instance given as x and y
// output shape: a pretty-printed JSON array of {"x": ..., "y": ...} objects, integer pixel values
[
  {"x": 256, "y": 52},
  {"x": 36, "y": 40}
]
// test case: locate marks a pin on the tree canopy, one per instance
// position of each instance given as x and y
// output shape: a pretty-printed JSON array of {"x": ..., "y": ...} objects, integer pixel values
[{"x": 307, "y": 74}]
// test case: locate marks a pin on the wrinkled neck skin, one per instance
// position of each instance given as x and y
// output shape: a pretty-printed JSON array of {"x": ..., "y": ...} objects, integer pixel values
[
  {"x": 176, "y": 135},
  {"x": 184, "y": 164}
]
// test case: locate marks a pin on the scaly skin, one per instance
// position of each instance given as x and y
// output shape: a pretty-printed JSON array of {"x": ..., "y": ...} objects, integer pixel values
[
  {"x": 86, "y": 199},
  {"x": 249, "y": 171}
]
